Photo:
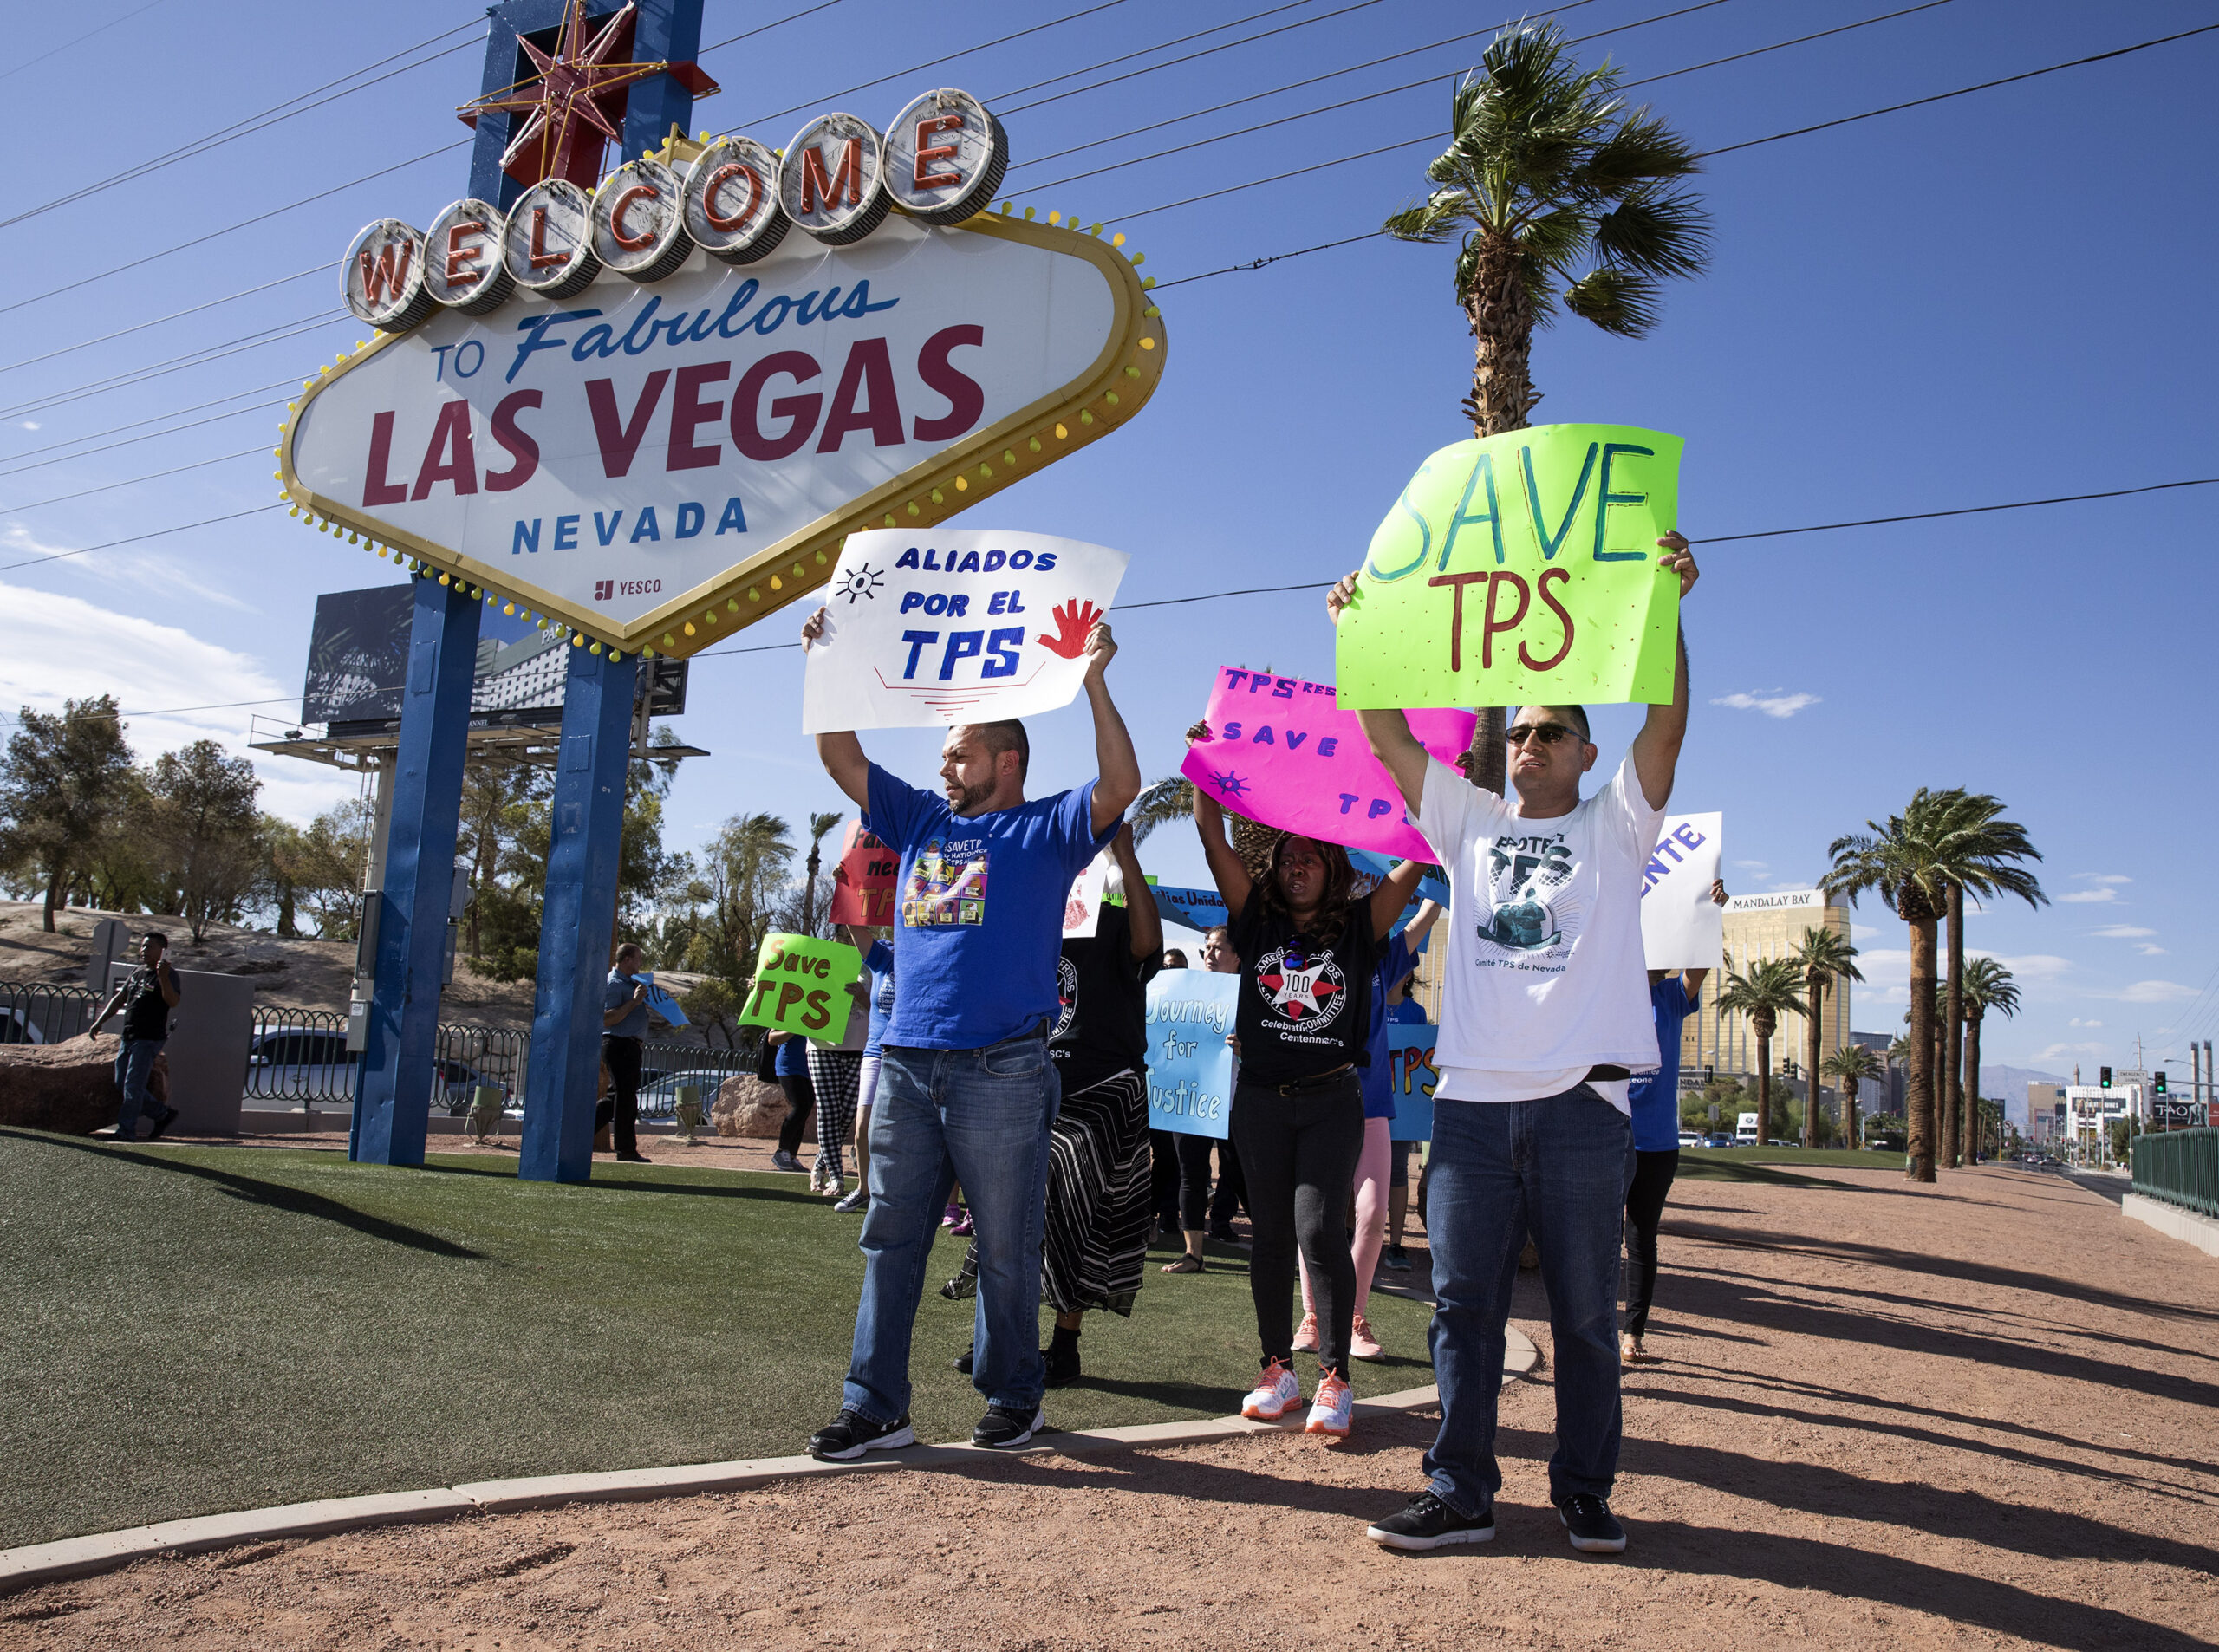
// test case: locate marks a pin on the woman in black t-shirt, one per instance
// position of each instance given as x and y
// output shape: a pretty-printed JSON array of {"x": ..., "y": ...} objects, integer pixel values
[{"x": 1308, "y": 950}]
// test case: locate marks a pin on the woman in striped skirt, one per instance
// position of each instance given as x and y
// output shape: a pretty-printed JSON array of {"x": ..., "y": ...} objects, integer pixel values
[
  {"x": 834, "y": 1076},
  {"x": 1094, "y": 1242}
]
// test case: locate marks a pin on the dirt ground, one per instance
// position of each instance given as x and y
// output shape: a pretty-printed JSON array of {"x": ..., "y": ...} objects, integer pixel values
[{"x": 1883, "y": 1416}]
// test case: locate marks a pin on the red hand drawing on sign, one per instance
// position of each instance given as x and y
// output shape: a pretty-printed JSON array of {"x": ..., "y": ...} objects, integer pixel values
[{"x": 1075, "y": 622}]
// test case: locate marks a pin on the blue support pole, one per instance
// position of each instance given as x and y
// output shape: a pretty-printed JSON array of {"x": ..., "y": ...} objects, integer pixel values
[
  {"x": 394, "y": 1081},
  {"x": 578, "y": 920},
  {"x": 668, "y": 31}
]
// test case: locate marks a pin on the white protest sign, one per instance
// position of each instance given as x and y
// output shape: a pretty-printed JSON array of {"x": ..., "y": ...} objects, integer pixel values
[
  {"x": 928, "y": 629},
  {"x": 1681, "y": 926},
  {"x": 1083, "y": 909}
]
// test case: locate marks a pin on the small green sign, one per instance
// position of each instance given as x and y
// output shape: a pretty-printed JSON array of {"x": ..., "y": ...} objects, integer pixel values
[
  {"x": 801, "y": 986},
  {"x": 1521, "y": 569}
]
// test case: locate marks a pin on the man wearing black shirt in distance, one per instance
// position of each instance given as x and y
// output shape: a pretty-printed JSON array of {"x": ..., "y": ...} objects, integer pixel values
[{"x": 146, "y": 1000}]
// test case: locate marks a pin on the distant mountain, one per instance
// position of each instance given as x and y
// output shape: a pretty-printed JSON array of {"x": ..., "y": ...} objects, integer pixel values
[{"x": 2010, "y": 1082}]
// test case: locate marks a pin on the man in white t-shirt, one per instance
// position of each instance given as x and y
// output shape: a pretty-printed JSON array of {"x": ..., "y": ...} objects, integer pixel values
[{"x": 1545, "y": 1016}]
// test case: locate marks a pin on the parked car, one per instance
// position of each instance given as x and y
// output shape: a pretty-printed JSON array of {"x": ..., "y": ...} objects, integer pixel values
[
  {"x": 659, "y": 1098},
  {"x": 1689, "y": 1139},
  {"x": 312, "y": 1064},
  {"x": 1719, "y": 1140},
  {"x": 15, "y": 1027}
]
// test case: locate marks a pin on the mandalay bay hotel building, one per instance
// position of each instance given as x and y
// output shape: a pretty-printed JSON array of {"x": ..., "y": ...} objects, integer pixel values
[{"x": 1758, "y": 926}]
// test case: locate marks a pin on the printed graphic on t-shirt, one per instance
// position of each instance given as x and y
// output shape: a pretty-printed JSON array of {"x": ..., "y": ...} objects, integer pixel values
[
  {"x": 947, "y": 885},
  {"x": 1302, "y": 989},
  {"x": 1066, "y": 995},
  {"x": 1533, "y": 912}
]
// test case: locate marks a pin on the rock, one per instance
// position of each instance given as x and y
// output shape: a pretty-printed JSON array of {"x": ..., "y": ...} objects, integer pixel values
[
  {"x": 67, "y": 1087},
  {"x": 747, "y": 1105}
]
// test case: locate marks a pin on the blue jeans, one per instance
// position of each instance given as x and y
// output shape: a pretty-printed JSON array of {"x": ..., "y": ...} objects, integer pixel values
[
  {"x": 1559, "y": 1167},
  {"x": 134, "y": 1063},
  {"x": 978, "y": 1117}
]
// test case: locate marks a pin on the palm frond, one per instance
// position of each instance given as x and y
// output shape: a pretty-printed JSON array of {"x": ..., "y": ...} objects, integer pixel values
[
  {"x": 1655, "y": 235},
  {"x": 1617, "y": 301},
  {"x": 1163, "y": 801}
]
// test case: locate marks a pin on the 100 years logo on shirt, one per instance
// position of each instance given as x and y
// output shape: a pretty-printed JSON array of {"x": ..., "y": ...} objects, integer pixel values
[{"x": 1304, "y": 990}]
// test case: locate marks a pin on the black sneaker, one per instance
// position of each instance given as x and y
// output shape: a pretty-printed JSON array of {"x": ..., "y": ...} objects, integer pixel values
[
  {"x": 963, "y": 1360},
  {"x": 1426, "y": 1522},
  {"x": 1222, "y": 1234},
  {"x": 170, "y": 1116},
  {"x": 962, "y": 1288},
  {"x": 1396, "y": 1259},
  {"x": 1594, "y": 1529},
  {"x": 1063, "y": 1365},
  {"x": 1002, "y": 1429},
  {"x": 848, "y": 1435}
]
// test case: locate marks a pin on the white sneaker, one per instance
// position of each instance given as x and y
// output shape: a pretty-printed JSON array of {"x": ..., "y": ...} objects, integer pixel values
[
  {"x": 1277, "y": 1391},
  {"x": 1305, "y": 1338},
  {"x": 1330, "y": 1411}
]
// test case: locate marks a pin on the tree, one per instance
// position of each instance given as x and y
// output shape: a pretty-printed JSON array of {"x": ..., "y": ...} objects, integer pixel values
[
  {"x": 1824, "y": 957},
  {"x": 203, "y": 831},
  {"x": 1849, "y": 1066},
  {"x": 63, "y": 781},
  {"x": 1162, "y": 803},
  {"x": 744, "y": 867},
  {"x": 1773, "y": 987},
  {"x": 1989, "y": 985},
  {"x": 1560, "y": 195},
  {"x": 494, "y": 793},
  {"x": 1940, "y": 839},
  {"x": 818, "y": 826}
]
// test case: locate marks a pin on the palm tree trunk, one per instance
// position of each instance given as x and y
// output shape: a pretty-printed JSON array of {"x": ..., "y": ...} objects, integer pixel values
[
  {"x": 1956, "y": 1134},
  {"x": 1488, "y": 765},
  {"x": 1500, "y": 310},
  {"x": 53, "y": 895},
  {"x": 1849, "y": 1112},
  {"x": 1764, "y": 1085},
  {"x": 1918, "y": 1096},
  {"x": 1810, "y": 1067},
  {"x": 809, "y": 894},
  {"x": 1972, "y": 1081}
]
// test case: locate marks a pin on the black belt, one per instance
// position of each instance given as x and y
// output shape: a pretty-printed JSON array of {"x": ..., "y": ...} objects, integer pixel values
[
  {"x": 626, "y": 1037},
  {"x": 1606, "y": 1075},
  {"x": 1317, "y": 1081}
]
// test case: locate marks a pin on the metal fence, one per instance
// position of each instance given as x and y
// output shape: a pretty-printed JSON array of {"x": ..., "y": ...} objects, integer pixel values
[
  {"x": 665, "y": 1067},
  {"x": 38, "y": 1013},
  {"x": 2180, "y": 1167}
]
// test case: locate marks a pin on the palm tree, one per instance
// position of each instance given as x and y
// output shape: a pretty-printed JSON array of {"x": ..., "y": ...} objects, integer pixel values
[
  {"x": 1561, "y": 194},
  {"x": 818, "y": 826},
  {"x": 1771, "y": 988},
  {"x": 1824, "y": 957},
  {"x": 1160, "y": 803},
  {"x": 1849, "y": 1066},
  {"x": 1941, "y": 839},
  {"x": 1989, "y": 985}
]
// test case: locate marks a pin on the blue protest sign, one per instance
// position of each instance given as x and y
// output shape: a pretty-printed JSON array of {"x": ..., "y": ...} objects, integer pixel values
[
  {"x": 1431, "y": 887},
  {"x": 1196, "y": 908},
  {"x": 1189, "y": 1063},
  {"x": 659, "y": 1000},
  {"x": 1411, "y": 1077}
]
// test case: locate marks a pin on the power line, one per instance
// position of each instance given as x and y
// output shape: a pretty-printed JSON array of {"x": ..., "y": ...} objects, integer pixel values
[
  {"x": 251, "y": 124},
  {"x": 1962, "y": 91},
  {"x": 1159, "y": 46},
  {"x": 94, "y": 435},
  {"x": 79, "y": 41},
  {"x": 180, "y": 363},
  {"x": 32, "y": 360},
  {"x": 152, "y": 476},
  {"x": 764, "y": 28},
  {"x": 152, "y": 533}
]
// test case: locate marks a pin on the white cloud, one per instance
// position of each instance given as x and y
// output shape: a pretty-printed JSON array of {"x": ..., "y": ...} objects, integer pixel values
[
  {"x": 2077, "y": 1022},
  {"x": 62, "y": 647},
  {"x": 2089, "y": 897},
  {"x": 2148, "y": 951},
  {"x": 2027, "y": 966},
  {"x": 2066, "y": 1051},
  {"x": 1772, "y": 703},
  {"x": 2151, "y": 992},
  {"x": 2104, "y": 877},
  {"x": 29, "y": 424},
  {"x": 2121, "y": 932},
  {"x": 1862, "y": 931}
]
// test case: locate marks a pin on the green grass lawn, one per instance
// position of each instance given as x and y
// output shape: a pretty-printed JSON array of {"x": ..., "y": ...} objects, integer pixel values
[
  {"x": 192, "y": 1330},
  {"x": 1757, "y": 1164}
]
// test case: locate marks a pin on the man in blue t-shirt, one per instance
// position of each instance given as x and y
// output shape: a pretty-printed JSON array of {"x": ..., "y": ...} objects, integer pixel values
[{"x": 965, "y": 1088}]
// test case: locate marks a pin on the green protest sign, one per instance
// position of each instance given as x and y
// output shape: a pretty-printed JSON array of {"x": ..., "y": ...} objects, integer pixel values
[
  {"x": 801, "y": 986},
  {"x": 1521, "y": 569}
]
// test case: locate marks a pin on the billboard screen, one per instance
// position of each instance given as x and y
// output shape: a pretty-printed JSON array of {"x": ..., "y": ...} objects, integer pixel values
[{"x": 358, "y": 659}]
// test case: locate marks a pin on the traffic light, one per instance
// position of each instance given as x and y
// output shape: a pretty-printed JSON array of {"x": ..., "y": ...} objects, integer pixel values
[
  {"x": 1709, "y": 1074},
  {"x": 2103, "y": 1077},
  {"x": 2157, "y": 1082}
]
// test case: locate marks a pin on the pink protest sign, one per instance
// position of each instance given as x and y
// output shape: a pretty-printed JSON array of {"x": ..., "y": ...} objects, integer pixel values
[{"x": 1282, "y": 752}]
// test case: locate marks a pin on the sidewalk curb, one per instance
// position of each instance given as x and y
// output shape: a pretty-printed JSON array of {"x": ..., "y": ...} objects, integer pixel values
[{"x": 109, "y": 1550}]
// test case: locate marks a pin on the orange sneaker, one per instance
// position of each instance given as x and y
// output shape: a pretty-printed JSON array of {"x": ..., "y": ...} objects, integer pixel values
[
  {"x": 1277, "y": 1391},
  {"x": 1305, "y": 1339},
  {"x": 1330, "y": 1410},
  {"x": 1363, "y": 1344}
]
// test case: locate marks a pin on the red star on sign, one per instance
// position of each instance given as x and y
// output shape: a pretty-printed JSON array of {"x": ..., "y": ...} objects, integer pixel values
[{"x": 573, "y": 109}]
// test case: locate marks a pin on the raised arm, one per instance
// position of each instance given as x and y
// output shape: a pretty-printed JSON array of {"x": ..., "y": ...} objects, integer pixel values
[
  {"x": 1232, "y": 881},
  {"x": 841, "y": 754},
  {"x": 1117, "y": 770},
  {"x": 1415, "y": 932},
  {"x": 1657, "y": 748},
  {"x": 1141, "y": 914},
  {"x": 1387, "y": 730},
  {"x": 1394, "y": 894}
]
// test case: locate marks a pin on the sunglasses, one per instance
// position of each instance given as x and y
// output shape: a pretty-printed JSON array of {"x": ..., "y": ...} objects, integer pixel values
[{"x": 1546, "y": 733}]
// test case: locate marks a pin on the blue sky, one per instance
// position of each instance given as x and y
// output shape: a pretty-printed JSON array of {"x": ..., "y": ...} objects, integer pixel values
[{"x": 1996, "y": 297}]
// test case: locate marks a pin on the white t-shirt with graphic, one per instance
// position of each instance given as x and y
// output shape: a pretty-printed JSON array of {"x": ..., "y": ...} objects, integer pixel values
[{"x": 1545, "y": 977}]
